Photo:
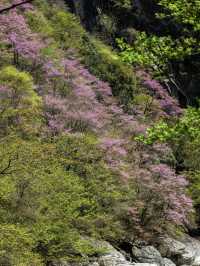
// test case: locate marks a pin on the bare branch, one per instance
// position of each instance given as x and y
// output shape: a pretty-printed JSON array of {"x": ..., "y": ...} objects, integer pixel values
[
  {"x": 7, "y": 170},
  {"x": 4, "y": 171},
  {"x": 14, "y": 6}
]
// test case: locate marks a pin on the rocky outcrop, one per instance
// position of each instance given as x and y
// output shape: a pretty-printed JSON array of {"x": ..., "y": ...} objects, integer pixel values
[
  {"x": 113, "y": 257},
  {"x": 183, "y": 252},
  {"x": 147, "y": 254}
]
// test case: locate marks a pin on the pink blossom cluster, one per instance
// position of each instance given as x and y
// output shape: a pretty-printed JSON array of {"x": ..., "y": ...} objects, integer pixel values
[
  {"x": 72, "y": 114},
  {"x": 50, "y": 71},
  {"x": 171, "y": 189},
  {"x": 15, "y": 32},
  {"x": 167, "y": 103},
  {"x": 100, "y": 93},
  {"x": 114, "y": 146}
]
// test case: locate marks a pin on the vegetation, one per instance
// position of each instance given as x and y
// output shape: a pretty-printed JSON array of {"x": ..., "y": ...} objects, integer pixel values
[
  {"x": 155, "y": 51},
  {"x": 90, "y": 147},
  {"x": 183, "y": 137}
]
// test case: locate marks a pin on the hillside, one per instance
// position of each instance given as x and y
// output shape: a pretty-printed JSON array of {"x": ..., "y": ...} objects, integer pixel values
[{"x": 93, "y": 147}]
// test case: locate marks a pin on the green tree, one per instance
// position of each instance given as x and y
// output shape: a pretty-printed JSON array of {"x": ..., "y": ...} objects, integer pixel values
[
  {"x": 182, "y": 11},
  {"x": 16, "y": 247},
  {"x": 19, "y": 103},
  {"x": 158, "y": 50}
]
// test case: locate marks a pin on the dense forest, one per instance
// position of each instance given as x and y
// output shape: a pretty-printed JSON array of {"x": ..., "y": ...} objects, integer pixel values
[{"x": 99, "y": 132}]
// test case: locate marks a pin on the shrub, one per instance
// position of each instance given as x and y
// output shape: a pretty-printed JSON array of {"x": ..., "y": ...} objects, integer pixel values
[
  {"x": 104, "y": 190},
  {"x": 20, "y": 104},
  {"x": 67, "y": 30},
  {"x": 16, "y": 247},
  {"x": 16, "y": 34},
  {"x": 106, "y": 65}
]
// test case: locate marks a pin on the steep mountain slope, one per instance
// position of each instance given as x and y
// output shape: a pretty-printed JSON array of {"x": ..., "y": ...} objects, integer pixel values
[{"x": 71, "y": 166}]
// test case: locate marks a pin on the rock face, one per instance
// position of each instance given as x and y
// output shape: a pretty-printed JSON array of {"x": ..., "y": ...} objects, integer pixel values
[
  {"x": 147, "y": 254},
  {"x": 183, "y": 252},
  {"x": 193, "y": 246},
  {"x": 113, "y": 258}
]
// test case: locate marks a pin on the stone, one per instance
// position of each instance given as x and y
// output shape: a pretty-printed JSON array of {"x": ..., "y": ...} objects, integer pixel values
[
  {"x": 113, "y": 257},
  {"x": 192, "y": 249},
  {"x": 147, "y": 254},
  {"x": 168, "y": 262},
  {"x": 178, "y": 251},
  {"x": 196, "y": 261},
  {"x": 194, "y": 245},
  {"x": 170, "y": 247},
  {"x": 185, "y": 251}
]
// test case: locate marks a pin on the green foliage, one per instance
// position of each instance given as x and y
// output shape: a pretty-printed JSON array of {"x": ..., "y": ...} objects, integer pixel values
[
  {"x": 185, "y": 129},
  {"x": 125, "y": 4},
  {"x": 42, "y": 196},
  {"x": 144, "y": 102},
  {"x": 194, "y": 188},
  {"x": 153, "y": 51},
  {"x": 104, "y": 192},
  {"x": 184, "y": 138},
  {"x": 182, "y": 11},
  {"x": 106, "y": 65},
  {"x": 99, "y": 58},
  {"x": 20, "y": 104},
  {"x": 16, "y": 246},
  {"x": 67, "y": 30},
  {"x": 108, "y": 25},
  {"x": 22, "y": 85},
  {"x": 160, "y": 132},
  {"x": 158, "y": 50},
  {"x": 59, "y": 193},
  {"x": 39, "y": 23}
]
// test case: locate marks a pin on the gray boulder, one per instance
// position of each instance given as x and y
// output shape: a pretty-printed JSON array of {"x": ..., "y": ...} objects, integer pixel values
[
  {"x": 193, "y": 245},
  {"x": 170, "y": 247},
  {"x": 183, "y": 252},
  {"x": 113, "y": 258},
  {"x": 147, "y": 254},
  {"x": 116, "y": 258}
]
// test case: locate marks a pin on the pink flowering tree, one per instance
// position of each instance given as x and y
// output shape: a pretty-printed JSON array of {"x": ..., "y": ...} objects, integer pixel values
[
  {"x": 167, "y": 103},
  {"x": 84, "y": 108},
  {"x": 162, "y": 198},
  {"x": 15, "y": 33}
]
